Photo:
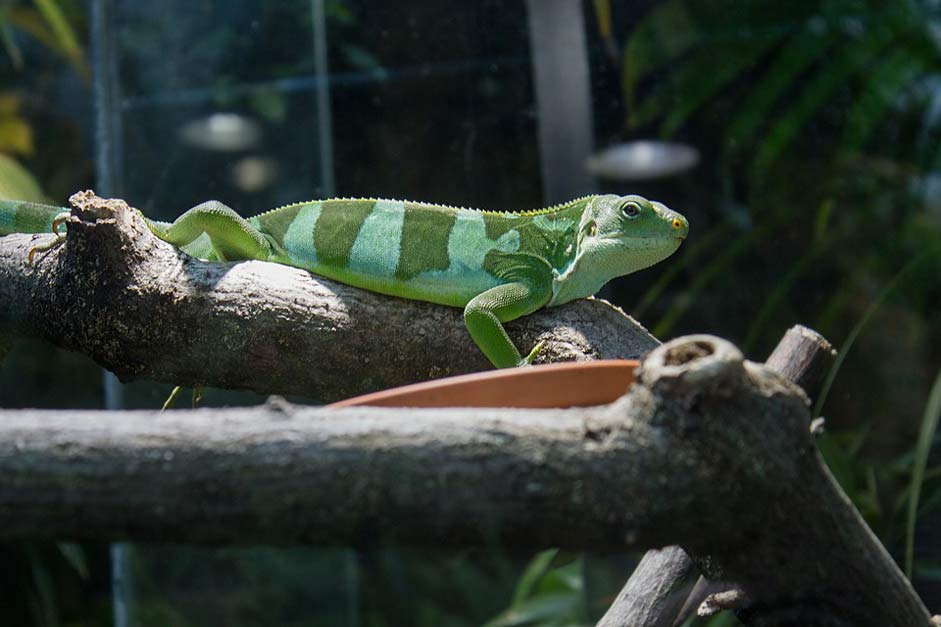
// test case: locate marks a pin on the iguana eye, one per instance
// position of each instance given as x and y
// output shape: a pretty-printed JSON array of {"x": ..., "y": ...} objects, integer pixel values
[{"x": 631, "y": 209}]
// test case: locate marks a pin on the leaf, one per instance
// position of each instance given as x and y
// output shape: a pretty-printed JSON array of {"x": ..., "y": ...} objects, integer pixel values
[
  {"x": 723, "y": 38},
  {"x": 544, "y": 596},
  {"x": 863, "y": 321},
  {"x": 715, "y": 269},
  {"x": 9, "y": 44},
  {"x": 841, "y": 451},
  {"x": 16, "y": 183},
  {"x": 534, "y": 571},
  {"x": 693, "y": 252},
  {"x": 30, "y": 21},
  {"x": 42, "y": 595},
  {"x": 603, "y": 17},
  {"x": 662, "y": 35},
  {"x": 360, "y": 58},
  {"x": 883, "y": 85},
  {"x": 823, "y": 219},
  {"x": 926, "y": 144},
  {"x": 722, "y": 619},
  {"x": 10, "y": 103},
  {"x": 60, "y": 26},
  {"x": 16, "y": 135},
  {"x": 707, "y": 75},
  {"x": 539, "y": 608},
  {"x": 796, "y": 56},
  {"x": 928, "y": 573},
  {"x": 75, "y": 556},
  {"x": 776, "y": 299},
  {"x": 851, "y": 59},
  {"x": 930, "y": 499},
  {"x": 49, "y": 32},
  {"x": 567, "y": 578},
  {"x": 929, "y": 424},
  {"x": 338, "y": 11}
]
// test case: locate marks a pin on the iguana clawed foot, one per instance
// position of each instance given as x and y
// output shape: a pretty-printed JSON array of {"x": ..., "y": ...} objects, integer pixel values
[
  {"x": 531, "y": 357},
  {"x": 58, "y": 221},
  {"x": 197, "y": 397}
]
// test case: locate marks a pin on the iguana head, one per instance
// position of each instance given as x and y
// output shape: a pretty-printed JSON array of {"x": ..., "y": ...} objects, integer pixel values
[{"x": 618, "y": 235}]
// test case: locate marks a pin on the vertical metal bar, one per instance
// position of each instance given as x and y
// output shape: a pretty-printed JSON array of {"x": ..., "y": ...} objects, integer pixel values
[
  {"x": 109, "y": 153},
  {"x": 324, "y": 117},
  {"x": 120, "y": 588},
  {"x": 109, "y": 150},
  {"x": 563, "y": 97}
]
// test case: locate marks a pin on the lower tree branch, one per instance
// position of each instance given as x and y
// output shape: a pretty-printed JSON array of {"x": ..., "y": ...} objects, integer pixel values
[
  {"x": 707, "y": 451},
  {"x": 663, "y": 578},
  {"x": 656, "y": 592},
  {"x": 142, "y": 309}
]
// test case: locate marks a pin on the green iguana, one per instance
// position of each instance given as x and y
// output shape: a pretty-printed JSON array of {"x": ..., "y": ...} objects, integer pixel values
[{"x": 496, "y": 265}]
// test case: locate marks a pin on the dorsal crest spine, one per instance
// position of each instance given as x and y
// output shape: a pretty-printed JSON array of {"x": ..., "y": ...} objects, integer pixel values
[{"x": 429, "y": 205}]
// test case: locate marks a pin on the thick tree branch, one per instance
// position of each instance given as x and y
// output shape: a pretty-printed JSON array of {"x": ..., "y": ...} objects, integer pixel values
[
  {"x": 142, "y": 309},
  {"x": 663, "y": 578},
  {"x": 706, "y": 451}
]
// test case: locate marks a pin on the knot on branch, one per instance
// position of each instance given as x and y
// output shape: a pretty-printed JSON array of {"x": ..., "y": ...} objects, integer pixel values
[
  {"x": 108, "y": 233},
  {"x": 691, "y": 364},
  {"x": 721, "y": 415},
  {"x": 88, "y": 206}
]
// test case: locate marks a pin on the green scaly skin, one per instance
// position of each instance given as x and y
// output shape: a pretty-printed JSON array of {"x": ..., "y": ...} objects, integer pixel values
[{"x": 497, "y": 266}]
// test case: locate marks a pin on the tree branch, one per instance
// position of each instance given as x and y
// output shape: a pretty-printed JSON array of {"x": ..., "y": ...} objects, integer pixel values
[
  {"x": 802, "y": 356},
  {"x": 142, "y": 309},
  {"x": 656, "y": 593},
  {"x": 706, "y": 451}
]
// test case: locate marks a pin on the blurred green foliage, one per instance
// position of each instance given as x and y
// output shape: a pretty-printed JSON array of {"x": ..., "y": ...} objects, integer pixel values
[
  {"x": 51, "y": 22},
  {"x": 823, "y": 120},
  {"x": 553, "y": 597}
]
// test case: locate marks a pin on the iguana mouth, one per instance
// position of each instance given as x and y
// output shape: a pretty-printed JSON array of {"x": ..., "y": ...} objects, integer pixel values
[{"x": 637, "y": 238}]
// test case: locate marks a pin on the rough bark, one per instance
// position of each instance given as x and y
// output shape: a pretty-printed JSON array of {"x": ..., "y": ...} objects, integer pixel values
[
  {"x": 707, "y": 451},
  {"x": 656, "y": 593},
  {"x": 142, "y": 309}
]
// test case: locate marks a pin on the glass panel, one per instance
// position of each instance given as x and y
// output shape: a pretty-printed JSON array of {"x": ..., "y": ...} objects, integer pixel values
[{"x": 234, "y": 88}]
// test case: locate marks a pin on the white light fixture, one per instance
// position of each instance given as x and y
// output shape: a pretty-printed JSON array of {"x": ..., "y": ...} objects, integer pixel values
[
  {"x": 222, "y": 132},
  {"x": 643, "y": 160}
]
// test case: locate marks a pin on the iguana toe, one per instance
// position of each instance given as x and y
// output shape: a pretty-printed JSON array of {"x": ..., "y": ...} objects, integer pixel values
[{"x": 531, "y": 357}]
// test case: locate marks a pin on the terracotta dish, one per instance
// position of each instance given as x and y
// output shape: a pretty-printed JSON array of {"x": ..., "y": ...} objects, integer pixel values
[{"x": 569, "y": 384}]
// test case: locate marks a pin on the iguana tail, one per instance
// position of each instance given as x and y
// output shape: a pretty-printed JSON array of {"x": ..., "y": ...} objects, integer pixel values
[{"x": 18, "y": 216}]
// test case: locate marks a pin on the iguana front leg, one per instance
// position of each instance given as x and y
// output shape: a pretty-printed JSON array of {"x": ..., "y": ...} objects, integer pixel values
[
  {"x": 486, "y": 312},
  {"x": 230, "y": 235}
]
